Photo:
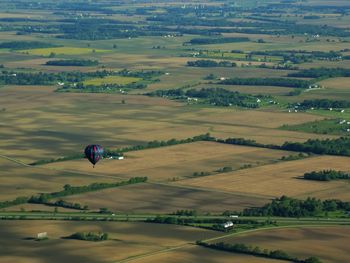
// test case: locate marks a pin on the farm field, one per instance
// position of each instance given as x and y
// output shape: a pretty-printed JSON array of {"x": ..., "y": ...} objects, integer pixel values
[
  {"x": 198, "y": 254},
  {"x": 329, "y": 244},
  {"x": 61, "y": 51},
  {"x": 165, "y": 198},
  {"x": 170, "y": 58},
  {"x": 126, "y": 240},
  {"x": 279, "y": 179},
  {"x": 177, "y": 162},
  {"x": 19, "y": 180},
  {"x": 53, "y": 124}
]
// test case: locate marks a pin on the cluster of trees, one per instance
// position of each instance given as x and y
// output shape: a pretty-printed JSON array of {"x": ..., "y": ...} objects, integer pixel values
[
  {"x": 283, "y": 82},
  {"x": 199, "y": 174},
  {"x": 89, "y": 236},
  {"x": 291, "y": 207},
  {"x": 294, "y": 157},
  {"x": 257, "y": 251},
  {"x": 65, "y": 204},
  {"x": 186, "y": 213},
  {"x": 211, "y": 63},
  {"x": 143, "y": 74},
  {"x": 218, "y": 40},
  {"x": 324, "y": 104},
  {"x": 19, "y": 45},
  {"x": 321, "y": 73},
  {"x": 73, "y": 62},
  {"x": 225, "y": 169},
  {"x": 217, "y": 96},
  {"x": 326, "y": 175},
  {"x": 279, "y": 66}
]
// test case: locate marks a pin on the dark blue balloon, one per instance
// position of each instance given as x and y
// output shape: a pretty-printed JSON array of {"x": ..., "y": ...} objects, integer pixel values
[{"x": 94, "y": 153}]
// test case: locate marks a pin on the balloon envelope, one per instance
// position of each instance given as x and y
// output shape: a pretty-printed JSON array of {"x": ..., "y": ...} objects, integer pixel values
[{"x": 93, "y": 153}]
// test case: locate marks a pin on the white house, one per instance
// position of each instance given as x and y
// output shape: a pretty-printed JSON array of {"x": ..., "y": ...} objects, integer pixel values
[{"x": 227, "y": 224}]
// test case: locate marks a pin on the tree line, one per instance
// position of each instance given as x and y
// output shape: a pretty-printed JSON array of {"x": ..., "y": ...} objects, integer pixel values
[
  {"x": 323, "y": 104},
  {"x": 321, "y": 73},
  {"x": 291, "y": 207},
  {"x": 19, "y": 45},
  {"x": 73, "y": 62},
  {"x": 280, "y": 82},
  {"x": 207, "y": 63},
  {"x": 218, "y": 40},
  {"x": 326, "y": 175},
  {"x": 89, "y": 236},
  {"x": 257, "y": 251}
]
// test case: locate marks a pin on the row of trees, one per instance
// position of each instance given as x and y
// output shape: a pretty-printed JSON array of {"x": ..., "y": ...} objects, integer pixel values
[
  {"x": 283, "y": 82},
  {"x": 218, "y": 40},
  {"x": 291, "y": 207},
  {"x": 19, "y": 45},
  {"x": 321, "y": 73},
  {"x": 211, "y": 63},
  {"x": 326, "y": 175},
  {"x": 73, "y": 62},
  {"x": 257, "y": 251},
  {"x": 73, "y": 190}
]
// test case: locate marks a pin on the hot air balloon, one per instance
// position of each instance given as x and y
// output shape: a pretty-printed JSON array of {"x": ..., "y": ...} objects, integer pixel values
[{"x": 93, "y": 153}]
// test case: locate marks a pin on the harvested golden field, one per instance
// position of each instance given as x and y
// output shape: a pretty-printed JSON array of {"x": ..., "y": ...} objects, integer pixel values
[
  {"x": 203, "y": 255},
  {"x": 156, "y": 198},
  {"x": 279, "y": 179},
  {"x": 48, "y": 124},
  {"x": 126, "y": 240},
  {"x": 330, "y": 244},
  {"x": 179, "y": 161},
  {"x": 18, "y": 180}
]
